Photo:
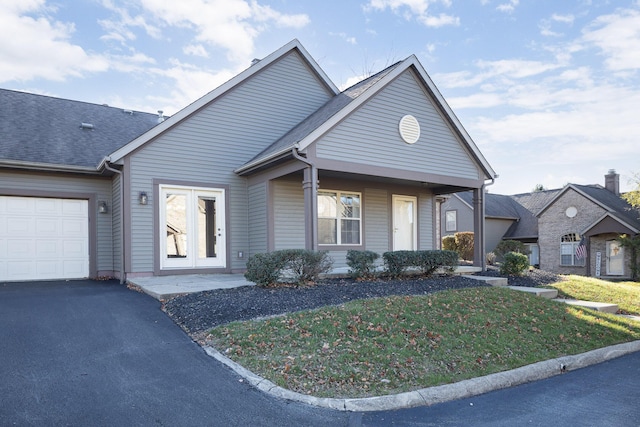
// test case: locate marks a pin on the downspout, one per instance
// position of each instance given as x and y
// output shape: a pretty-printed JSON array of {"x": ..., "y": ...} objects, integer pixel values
[
  {"x": 310, "y": 186},
  {"x": 483, "y": 239},
  {"x": 109, "y": 168}
]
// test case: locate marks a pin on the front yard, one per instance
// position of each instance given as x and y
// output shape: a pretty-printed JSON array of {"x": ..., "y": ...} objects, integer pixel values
[{"x": 393, "y": 344}]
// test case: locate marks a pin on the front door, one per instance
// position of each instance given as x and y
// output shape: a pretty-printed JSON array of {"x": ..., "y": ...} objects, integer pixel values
[
  {"x": 615, "y": 258},
  {"x": 192, "y": 231},
  {"x": 405, "y": 235}
]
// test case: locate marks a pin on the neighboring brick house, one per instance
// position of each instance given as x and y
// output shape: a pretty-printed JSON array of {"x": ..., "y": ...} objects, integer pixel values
[{"x": 554, "y": 224}]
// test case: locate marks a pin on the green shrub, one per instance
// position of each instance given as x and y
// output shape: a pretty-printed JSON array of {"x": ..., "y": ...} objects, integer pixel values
[
  {"x": 464, "y": 244},
  {"x": 506, "y": 246},
  {"x": 398, "y": 262},
  {"x": 264, "y": 269},
  {"x": 307, "y": 266},
  {"x": 515, "y": 264},
  {"x": 300, "y": 265},
  {"x": 362, "y": 264},
  {"x": 449, "y": 243}
]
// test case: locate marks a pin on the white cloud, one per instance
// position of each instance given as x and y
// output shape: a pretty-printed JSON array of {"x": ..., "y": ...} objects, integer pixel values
[
  {"x": 232, "y": 25},
  {"x": 618, "y": 38},
  {"x": 417, "y": 9},
  {"x": 508, "y": 7},
  {"x": 37, "y": 46},
  {"x": 567, "y": 19},
  {"x": 195, "y": 50},
  {"x": 345, "y": 37}
]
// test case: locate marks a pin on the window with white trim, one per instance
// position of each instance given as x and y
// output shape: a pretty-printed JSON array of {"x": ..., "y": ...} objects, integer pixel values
[
  {"x": 339, "y": 218},
  {"x": 451, "y": 221},
  {"x": 568, "y": 245}
]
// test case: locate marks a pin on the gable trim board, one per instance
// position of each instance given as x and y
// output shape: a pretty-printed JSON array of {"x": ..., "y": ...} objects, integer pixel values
[
  {"x": 238, "y": 139},
  {"x": 625, "y": 227}
]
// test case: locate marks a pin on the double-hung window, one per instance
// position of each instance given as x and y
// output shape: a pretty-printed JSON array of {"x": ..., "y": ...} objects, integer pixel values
[
  {"x": 339, "y": 218},
  {"x": 568, "y": 246}
]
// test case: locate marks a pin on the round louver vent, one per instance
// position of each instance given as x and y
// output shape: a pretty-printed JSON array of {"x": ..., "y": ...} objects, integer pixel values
[{"x": 409, "y": 129}]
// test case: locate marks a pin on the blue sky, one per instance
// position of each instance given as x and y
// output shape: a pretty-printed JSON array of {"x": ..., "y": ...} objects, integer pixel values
[{"x": 549, "y": 90}]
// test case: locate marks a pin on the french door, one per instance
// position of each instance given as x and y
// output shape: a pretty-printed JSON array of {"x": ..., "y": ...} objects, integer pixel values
[{"x": 192, "y": 231}]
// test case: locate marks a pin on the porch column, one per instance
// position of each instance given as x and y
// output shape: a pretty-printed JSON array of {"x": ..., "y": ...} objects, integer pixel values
[
  {"x": 310, "y": 188},
  {"x": 478, "y": 229}
]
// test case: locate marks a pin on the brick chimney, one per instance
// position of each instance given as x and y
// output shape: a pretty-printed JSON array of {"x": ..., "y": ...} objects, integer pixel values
[{"x": 612, "y": 182}]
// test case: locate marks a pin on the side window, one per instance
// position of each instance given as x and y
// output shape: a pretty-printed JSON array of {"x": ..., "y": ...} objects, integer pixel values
[{"x": 451, "y": 221}]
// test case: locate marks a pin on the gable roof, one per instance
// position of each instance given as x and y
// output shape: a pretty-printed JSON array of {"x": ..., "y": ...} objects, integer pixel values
[
  {"x": 181, "y": 115},
  {"x": 338, "y": 108},
  {"x": 42, "y": 132},
  {"x": 292, "y": 138},
  {"x": 615, "y": 206}
]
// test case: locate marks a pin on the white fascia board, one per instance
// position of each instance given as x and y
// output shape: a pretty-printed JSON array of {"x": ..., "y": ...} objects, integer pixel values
[
  {"x": 405, "y": 65},
  {"x": 181, "y": 115}
]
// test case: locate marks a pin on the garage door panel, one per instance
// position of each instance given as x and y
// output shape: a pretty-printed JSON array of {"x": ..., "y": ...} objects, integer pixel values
[
  {"x": 19, "y": 226},
  {"x": 43, "y": 238}
]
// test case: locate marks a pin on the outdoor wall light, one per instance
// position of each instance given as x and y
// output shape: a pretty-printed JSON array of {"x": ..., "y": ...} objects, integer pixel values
[
  {"x": 102, "y": 207},
  {"x": 143, "y": 198}
]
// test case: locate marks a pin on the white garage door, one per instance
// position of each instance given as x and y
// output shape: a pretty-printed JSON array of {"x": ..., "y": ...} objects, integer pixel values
[{"x": 43, "y": 238}]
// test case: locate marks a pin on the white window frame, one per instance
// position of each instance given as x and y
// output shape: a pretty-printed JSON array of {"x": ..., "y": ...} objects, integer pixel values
[
  {"x": 192, "y": 260},
  {"x": 569, "y": 242},
  {"x": 455, "y": 220},
  {"x": 339, "y": 218}
]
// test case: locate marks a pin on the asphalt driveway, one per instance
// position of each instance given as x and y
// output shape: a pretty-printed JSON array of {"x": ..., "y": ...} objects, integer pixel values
[{"x": 96, "y": 353}]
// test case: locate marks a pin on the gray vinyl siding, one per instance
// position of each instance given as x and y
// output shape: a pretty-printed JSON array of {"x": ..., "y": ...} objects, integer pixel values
[
  {"x": 426, "y": 212},
  {"x": 258, "y": 236},
  {"x": 377, "y": 213},
  {"x": 206, "y": 148},
  {"x": 288, "y": 227},
  {"x": 116, "y": 226},
  {"x": 46, "y": 185},
  {"x": 372, "y": 133}
]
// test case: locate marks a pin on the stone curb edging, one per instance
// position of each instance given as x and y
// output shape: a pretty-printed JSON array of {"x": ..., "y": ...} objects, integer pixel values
[{"x": 442, "y": 393}]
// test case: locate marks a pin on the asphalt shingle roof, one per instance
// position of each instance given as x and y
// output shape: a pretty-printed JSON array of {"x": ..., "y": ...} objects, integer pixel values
[
  {"x": 614, "y": 204},
  {"x": 43, "y": 129}
]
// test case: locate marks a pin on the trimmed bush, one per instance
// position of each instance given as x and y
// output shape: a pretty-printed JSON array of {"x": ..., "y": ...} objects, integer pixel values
[
  {"x": 398, "y": 262},
  {"x": 506, "y": 246},
  {"x": 307, "y": 266},
  {"x": 464, "y": 244},
  {"x": 515, "y": 264},
  {"x": 301, "y": 266},
  {"x": 449, "y": 243},
  {"x": 362, "y": 264}
]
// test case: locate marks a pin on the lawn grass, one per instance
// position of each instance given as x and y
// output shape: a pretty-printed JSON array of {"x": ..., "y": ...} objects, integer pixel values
[
  {"x": 625, "y": 294},
  {"x": 396, "y": 344}
]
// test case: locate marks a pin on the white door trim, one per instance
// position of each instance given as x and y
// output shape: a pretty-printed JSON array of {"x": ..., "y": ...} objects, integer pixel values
[
  {"x": 401, "y": 223},
  {"x": 187, "y": 238},
  {"x": 615, "y": 258}
]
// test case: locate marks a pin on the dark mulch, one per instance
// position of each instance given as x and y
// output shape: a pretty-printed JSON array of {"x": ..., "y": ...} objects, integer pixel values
[{"x": 204, "y": 310}]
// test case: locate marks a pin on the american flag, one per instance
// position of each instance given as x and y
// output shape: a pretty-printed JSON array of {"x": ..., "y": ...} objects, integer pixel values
[{"x": 581, "y": 250}]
